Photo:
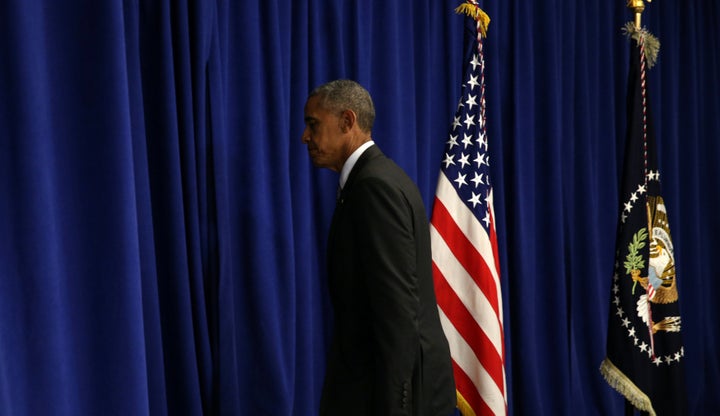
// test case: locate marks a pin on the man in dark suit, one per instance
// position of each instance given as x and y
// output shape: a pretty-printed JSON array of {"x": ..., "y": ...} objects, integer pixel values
[{"x": 389, "y": 355}]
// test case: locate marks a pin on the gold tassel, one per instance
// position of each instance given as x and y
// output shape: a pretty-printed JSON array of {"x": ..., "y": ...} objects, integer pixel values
[
  {"x": 652, "y": 44},
  {"x": 476, "y": 13}
]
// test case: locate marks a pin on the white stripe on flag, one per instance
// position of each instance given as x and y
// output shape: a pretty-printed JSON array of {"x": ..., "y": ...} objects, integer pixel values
[
  {"x": 465, "y": 358},
  {"x": 464, "y": 286}
]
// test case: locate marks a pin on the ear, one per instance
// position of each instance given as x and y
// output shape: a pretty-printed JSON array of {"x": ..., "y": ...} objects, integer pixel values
[{"x": 348, "y": 118}]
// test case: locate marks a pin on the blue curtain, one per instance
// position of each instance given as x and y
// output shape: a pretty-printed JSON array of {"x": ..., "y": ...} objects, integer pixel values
[{"x": 162, "y": 231}]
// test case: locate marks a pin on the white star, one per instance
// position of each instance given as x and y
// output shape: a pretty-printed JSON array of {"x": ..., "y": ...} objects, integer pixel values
[
  {"x": 466, "y": 141},
  {"x": 677, "y": 356},
  {"x": 481, "y": 159},
  {"x": 456, "y": 123},
  {"x": 452, "y": 141},
  {"x": 482, "y": 140},
  {"x": 475, "y": 199},
  {"x": 626, "y": 321},
  {"x": 460, "y": 180},
  {"x": 477, "y": 179},
  {"x": 668, "y": 359},
  {"x": 473, "y": 82},
  {"x": 641, "y": 189},
  {"x": 623, "y": 217},
  {"x": 475, "y": 61},
  {"x": 643, "y": 346},
  {"x": 469, "y": 120},
  {"x": 628, "y": 206},
  {"x": 463, "y": 160},
  {"x": 615, "y": 290},
  {"x": 633, "y": 197},
  {"x": 448, "y": 160},
  {"x": 657, "y": 361},
  {"x": 616, "y": 300},
  {"x": 487, "y": 219},
  {"x": 631, "y": 332},
  {"x": 471, "y": 101}
]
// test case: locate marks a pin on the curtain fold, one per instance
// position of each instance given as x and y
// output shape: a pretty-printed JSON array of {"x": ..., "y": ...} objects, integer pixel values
[{"x": 162, "y": 230}]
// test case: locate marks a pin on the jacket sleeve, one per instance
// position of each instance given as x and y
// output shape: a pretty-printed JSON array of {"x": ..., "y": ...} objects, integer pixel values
[{"x": 388, "y": 250}]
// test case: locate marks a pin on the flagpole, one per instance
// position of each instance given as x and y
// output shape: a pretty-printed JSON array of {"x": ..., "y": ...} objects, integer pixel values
[{"x": 637, "y": 6}]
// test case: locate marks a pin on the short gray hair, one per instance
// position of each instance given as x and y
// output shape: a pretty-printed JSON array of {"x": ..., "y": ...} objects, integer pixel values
[{"x": 344, "y": 94}]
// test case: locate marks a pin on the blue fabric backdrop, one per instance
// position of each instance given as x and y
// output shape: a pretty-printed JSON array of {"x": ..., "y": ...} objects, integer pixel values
[{"x": 162, "y": 231}]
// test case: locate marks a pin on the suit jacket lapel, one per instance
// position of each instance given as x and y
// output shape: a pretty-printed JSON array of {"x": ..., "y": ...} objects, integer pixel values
[{"x": 371, "y": 153}]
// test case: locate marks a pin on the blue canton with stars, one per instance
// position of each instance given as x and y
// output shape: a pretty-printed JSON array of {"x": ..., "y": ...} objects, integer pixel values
[{"x": 466, "y": 161}]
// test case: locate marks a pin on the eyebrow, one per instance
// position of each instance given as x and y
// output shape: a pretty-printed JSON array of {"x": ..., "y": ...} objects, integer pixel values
[{"x": 309, "y": 119}]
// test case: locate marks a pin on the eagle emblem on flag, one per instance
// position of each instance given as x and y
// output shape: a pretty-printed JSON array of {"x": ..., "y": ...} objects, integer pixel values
[{"x": 653, "y": 284}]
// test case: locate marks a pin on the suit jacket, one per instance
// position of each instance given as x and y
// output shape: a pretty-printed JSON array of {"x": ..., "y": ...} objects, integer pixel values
[{"x": 389, "y": 355}]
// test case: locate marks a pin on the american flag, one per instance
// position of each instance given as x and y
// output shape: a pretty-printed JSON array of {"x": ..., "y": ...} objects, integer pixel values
[{"x": 466, "y": 268}]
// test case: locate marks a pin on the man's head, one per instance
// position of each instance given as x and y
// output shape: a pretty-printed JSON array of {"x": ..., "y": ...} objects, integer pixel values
[{"x": 339, "y": 117}]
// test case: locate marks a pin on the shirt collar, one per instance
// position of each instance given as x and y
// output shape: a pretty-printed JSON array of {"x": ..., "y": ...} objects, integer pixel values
[{"x": 350, "y": 162}]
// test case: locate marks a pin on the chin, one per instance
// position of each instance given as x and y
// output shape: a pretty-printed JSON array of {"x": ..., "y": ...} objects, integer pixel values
[{"x": 318, "y": 164}]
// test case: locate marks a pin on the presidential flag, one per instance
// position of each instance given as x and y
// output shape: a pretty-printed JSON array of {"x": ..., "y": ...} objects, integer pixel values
[
  {"x": 645, "y": 354},
  {"x": 466, "y": 268}
]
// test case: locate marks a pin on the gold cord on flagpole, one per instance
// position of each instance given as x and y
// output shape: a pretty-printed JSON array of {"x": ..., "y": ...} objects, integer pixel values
[{"x": 637, "y": 6}]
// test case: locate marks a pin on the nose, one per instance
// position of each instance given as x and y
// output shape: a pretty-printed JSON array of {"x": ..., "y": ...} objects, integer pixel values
[{"x": 305, "y": 138}]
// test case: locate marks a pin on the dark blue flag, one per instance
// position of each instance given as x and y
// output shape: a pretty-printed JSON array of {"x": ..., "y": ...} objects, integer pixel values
[{"x": 645, "y": 354}]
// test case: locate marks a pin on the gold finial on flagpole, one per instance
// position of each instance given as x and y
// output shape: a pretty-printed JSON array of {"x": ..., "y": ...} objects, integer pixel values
[
  {"x": 633, "y": 30},
  {"x": 637, "y": 6}
]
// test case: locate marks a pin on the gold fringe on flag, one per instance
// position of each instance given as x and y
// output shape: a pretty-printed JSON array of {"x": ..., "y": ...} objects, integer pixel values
[
  {"x": 463, "y": 406},
  {"x": 652, "y": 44},
  {"x": 617, "y": 380},
  {"x": 472, "y": 10}
]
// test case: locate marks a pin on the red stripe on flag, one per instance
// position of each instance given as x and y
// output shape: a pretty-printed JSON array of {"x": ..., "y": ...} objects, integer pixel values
[
  {"x": 466, "y": 325},
  {"x": 465, "y": 253},
  {"x": 470, "y": 393},
  {"x": 493, "y": 242}
]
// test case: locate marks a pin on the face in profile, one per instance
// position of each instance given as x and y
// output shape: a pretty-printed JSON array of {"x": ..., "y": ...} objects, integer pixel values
[{"x": 323, "y": 135}]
